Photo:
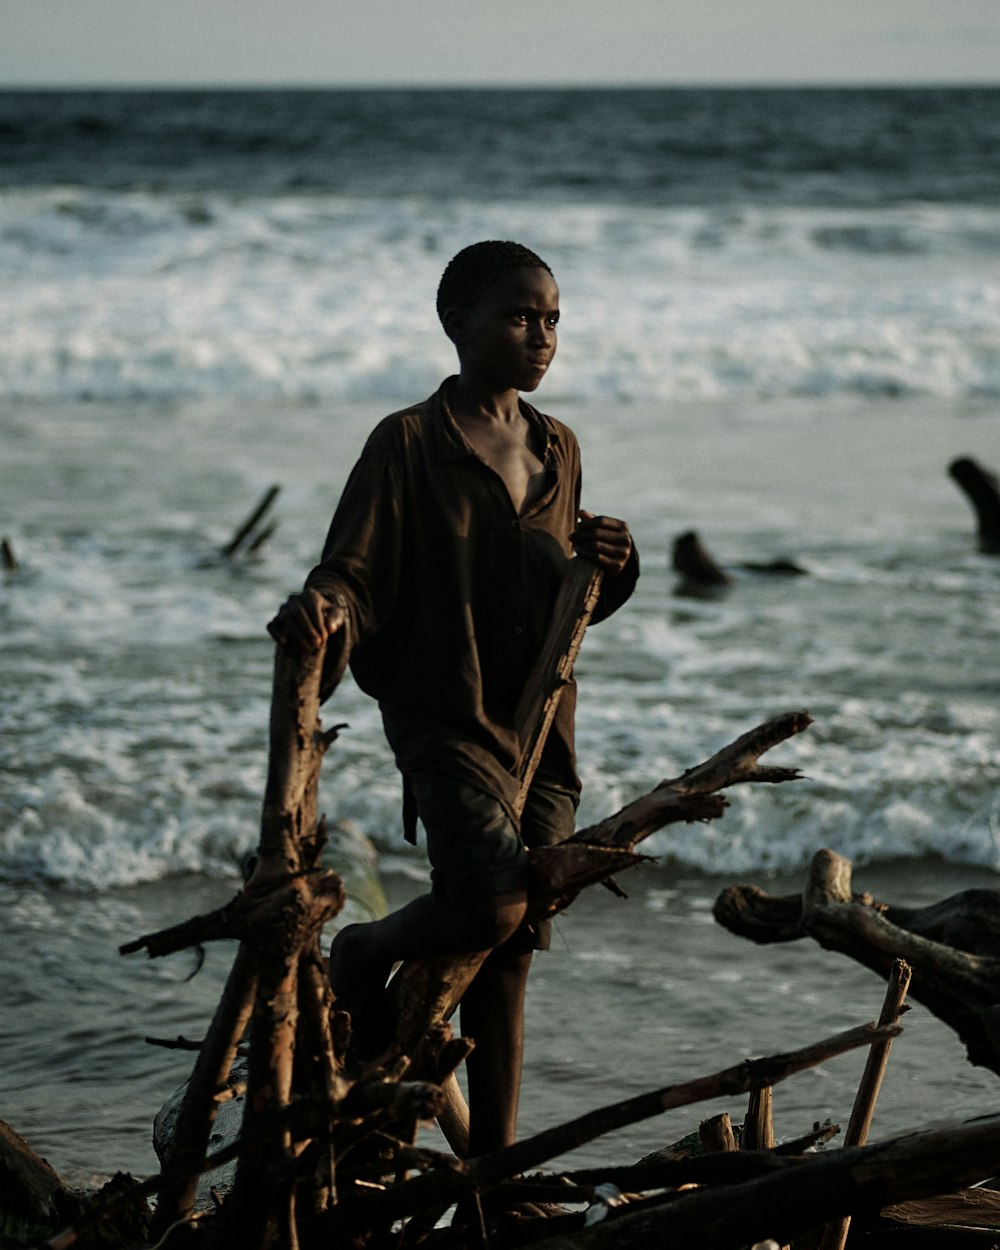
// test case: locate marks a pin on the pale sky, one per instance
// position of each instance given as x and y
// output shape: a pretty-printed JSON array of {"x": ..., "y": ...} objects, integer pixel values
[{"x": 507, "y": 42}]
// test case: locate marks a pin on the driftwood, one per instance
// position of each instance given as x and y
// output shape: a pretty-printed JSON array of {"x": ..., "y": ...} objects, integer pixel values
[
  {"x": 700, "y": 575},
  {"x": 539, "y": 701},
  {"x": 295, "y": 1052},
  {"x": 425, "y": 993},
  {"x": 835, "y": 1234},
  {"x": 255, "y": 530},
  {"x": 327, "y": 1152},
  {"x": 34, "y": 1196},
  {"x": 982, "y": 489},
  {"x": 789, "y": 1200},
  {"x": 953, "y": 947},
  {"x": 278, "y": 918}
]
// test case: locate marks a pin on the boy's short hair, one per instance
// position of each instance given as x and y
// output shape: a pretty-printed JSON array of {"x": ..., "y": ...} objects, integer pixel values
[{"x": 479, "y": 265}]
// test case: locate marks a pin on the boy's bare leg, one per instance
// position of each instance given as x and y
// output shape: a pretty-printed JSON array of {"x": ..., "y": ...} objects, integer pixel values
[
  {"x": 363, "y": 955},
  {"x": 493, "y": 1016}
]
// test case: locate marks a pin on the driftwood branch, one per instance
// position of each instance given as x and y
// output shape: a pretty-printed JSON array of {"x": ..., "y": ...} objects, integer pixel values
[
  {"x": 578, "y": 596},
  {"x": 835, "y": 1234},
  {"x": 790, "y": 1201},
  {"x": 482, "y": 1173},
  {"x": 953, "y": 947},
  {"x": 427, "y": 991}
]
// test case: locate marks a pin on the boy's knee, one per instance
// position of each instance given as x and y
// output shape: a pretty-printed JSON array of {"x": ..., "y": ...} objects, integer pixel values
[{"x": 500, "y": 917}]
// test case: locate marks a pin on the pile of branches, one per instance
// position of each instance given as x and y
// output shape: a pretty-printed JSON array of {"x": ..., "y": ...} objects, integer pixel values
[{"x": 328, "y": 1152}]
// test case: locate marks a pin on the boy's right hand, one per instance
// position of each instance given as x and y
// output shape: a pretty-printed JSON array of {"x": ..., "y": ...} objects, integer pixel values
[{"x": 307, "y": 620}]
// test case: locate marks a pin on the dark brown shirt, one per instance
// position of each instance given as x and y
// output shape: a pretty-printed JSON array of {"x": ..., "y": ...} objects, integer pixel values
[{"x": 449, "y": 592}]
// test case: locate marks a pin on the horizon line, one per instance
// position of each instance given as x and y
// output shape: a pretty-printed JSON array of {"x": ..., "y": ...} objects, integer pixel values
[{"x": 952, "y": 84}]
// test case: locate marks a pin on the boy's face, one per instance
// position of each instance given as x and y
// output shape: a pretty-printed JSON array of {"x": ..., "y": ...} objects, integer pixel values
[{"x": 507, "y": 338}]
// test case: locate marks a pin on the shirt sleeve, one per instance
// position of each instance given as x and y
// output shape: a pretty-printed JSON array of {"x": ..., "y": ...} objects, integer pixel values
[{"x": 360, "y": 564}]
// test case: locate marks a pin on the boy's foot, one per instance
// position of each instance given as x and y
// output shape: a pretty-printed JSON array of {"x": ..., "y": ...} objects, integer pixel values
[{"x": 359, "y": 989}]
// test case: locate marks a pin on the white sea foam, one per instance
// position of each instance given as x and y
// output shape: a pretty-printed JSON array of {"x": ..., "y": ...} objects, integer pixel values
[
  {"x": 134, "y": 294},
  {"x": 136, "y": 667}
]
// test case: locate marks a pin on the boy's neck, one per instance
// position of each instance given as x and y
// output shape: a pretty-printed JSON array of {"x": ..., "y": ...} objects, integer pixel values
[{"x": 470, "y": 401}]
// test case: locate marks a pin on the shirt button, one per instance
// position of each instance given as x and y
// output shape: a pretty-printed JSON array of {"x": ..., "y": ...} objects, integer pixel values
[{"x": 518, "y": 629}]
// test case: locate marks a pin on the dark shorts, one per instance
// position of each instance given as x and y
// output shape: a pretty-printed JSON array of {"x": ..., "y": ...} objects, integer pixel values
[{"x": 476, "y": 853}]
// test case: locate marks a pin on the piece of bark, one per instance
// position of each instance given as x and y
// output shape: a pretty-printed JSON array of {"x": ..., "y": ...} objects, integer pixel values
[{"x": 578, "y": 595}]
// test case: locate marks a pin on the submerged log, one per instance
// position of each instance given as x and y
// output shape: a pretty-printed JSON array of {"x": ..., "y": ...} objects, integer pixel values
[
  {"x": 255, "y": 530},
  {"x": 982, "y": 489},
  {"x": 953, "y": 946},
  {"x": 7, "y": 557},
  {"x": 700, "y": 576}
]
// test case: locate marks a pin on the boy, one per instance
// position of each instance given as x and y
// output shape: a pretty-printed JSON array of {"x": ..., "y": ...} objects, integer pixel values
[{"x": 441, "y": 566}]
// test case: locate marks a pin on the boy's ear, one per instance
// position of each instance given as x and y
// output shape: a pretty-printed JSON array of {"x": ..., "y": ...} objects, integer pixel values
[{"x": 454, "y": 324}]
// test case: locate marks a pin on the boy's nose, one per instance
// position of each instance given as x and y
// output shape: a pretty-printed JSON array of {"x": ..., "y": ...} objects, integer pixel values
[{"x": 543, "y": 333}]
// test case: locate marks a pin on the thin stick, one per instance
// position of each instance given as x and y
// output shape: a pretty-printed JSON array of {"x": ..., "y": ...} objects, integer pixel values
[
  {"x": 192, "y": 1131},
  {"x": 553, "y": 670},
  {"x": 488, "y": 1170},
  {"x": 835, "y": 1233}
]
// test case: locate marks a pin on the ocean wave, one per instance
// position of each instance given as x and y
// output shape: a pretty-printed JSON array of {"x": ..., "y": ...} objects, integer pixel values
[{"x": 142, "y": 295}]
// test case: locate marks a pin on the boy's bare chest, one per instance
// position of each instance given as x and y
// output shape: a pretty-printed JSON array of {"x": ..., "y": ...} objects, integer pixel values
[{"x": 509, "y": 455}]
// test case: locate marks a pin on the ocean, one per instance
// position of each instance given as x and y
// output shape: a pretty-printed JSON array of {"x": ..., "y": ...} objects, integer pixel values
[{"x": 781, "y": 322}]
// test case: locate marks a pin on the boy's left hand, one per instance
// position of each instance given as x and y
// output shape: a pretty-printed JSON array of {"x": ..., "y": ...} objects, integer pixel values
[{"x": 604, "y": 540}]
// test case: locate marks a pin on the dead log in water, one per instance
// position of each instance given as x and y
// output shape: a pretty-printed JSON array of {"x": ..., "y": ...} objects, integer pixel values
[
  {"x": 982, "y": 489},
  {"x": 251, "y": 535},
  {"x": 953, "y": 947}
]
